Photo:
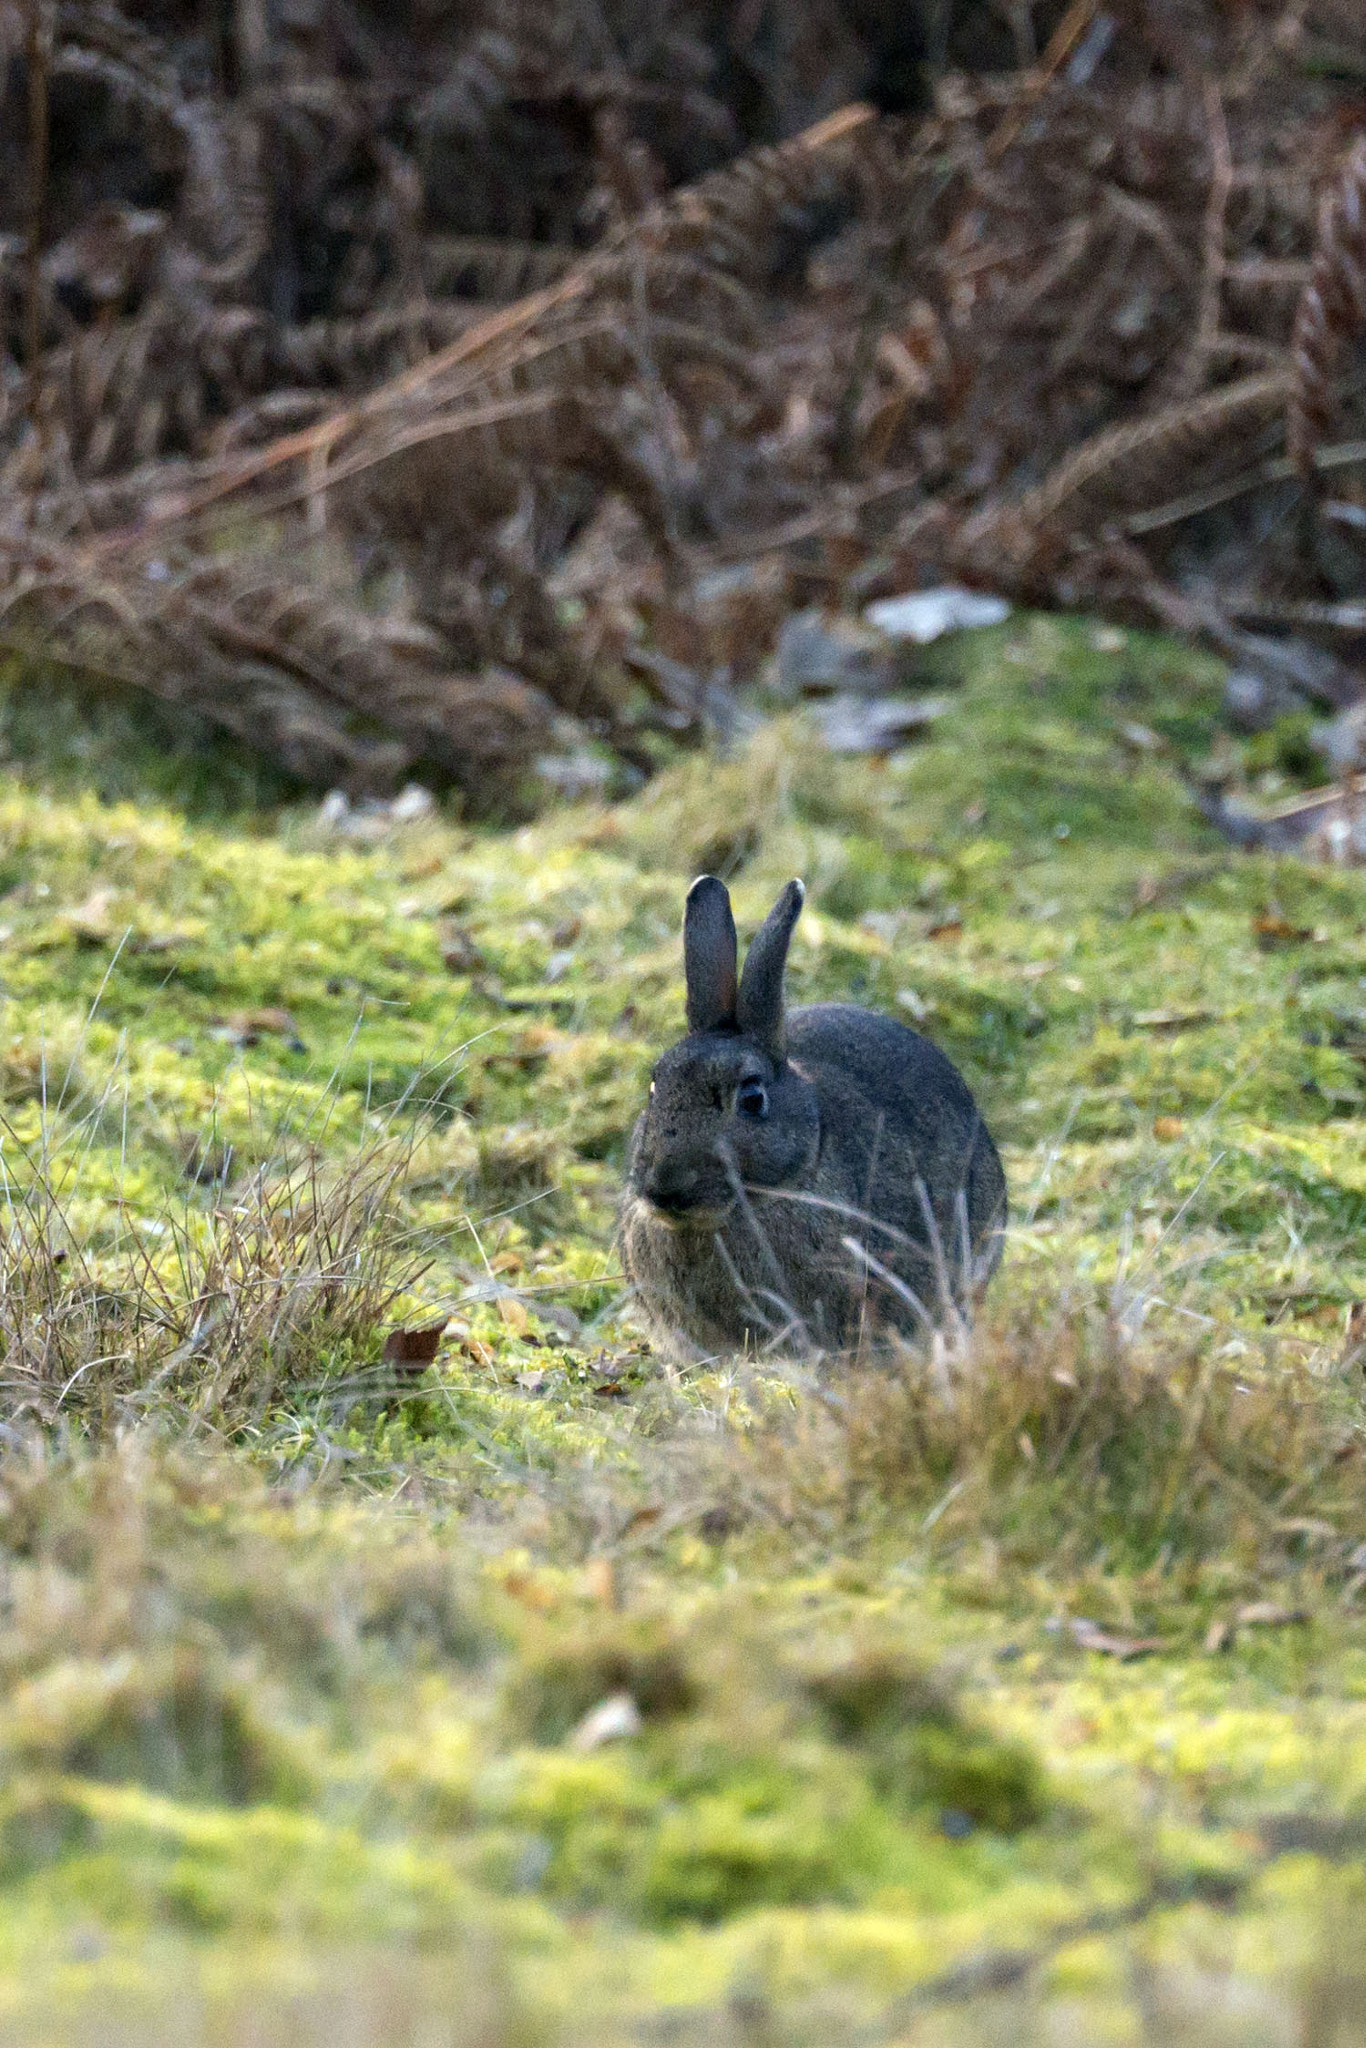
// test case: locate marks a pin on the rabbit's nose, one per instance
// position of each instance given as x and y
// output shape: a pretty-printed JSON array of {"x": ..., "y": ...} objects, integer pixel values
[{"x": 674, "y": 1189}]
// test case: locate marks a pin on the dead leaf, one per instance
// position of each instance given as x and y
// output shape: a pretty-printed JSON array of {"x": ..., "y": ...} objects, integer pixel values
[
  {"x": 1223, "y": 1633},
  {"x": 413, "y": 1350},
  {"x": 600, "y": 1580},
  {"x": 532, "y": 1592},
  {"x": 90, "y": 923},
  {"x": 510, "y": 1261},
  {"x": 477, "y": 1351},
  {"x": 514, "y": 1314},
  {"x": 949, "y": 928},
  {"x": 459, "y": 953},
  {"x": 1270, "y": 929},
  {"x": 273, "y": 1019},
  {"x": 1089, "y": 1635},
  {"x": 1269, "y": 1614},
  {"x": 530, "y": 1049},
  {"x": 643, "y": 1518},
  {"x": 532, "y": 1380},
  {"x": 248, "y": 1027},
  {"x": 1167, "y": 1128},
  {"x": 166, "y": 942},
  {"x": 611, "y": 1390}
]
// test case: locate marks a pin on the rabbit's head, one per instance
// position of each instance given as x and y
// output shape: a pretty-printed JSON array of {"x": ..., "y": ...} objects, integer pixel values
[{"x": 726, "y": 1111}]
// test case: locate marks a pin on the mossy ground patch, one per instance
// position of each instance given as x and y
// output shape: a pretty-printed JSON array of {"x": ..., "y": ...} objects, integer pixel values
[{"x": 872, "y": 1740}]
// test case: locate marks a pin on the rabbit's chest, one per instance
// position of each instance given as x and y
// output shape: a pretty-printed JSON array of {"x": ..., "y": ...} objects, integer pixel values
[{"x": 773, "y": 1269}]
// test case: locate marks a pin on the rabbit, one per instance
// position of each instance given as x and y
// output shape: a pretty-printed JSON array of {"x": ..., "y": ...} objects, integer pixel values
[{"x": 811, "y": 1182}]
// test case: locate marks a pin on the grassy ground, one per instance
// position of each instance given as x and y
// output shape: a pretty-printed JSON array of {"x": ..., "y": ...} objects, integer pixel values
[{"x": 1022, "y": 1695}]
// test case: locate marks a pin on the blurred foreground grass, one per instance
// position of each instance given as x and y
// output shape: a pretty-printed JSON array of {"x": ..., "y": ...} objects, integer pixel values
[{"x": 542, "y": 1694}]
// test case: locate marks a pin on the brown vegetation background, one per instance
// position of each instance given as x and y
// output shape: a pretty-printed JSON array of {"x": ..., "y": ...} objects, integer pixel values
[{"x": 457, "y": 391}]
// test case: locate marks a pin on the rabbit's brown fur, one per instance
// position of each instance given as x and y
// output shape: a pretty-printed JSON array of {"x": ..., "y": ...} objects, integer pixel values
[{"x": 803, "y": 1180}]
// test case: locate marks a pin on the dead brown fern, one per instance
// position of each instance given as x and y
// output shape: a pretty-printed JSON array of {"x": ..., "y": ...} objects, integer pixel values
[
  {"x": 1331, "y": 310},
  {"x": 485, "y": 267},
  {"x": 453, "y": 439},
  {"x": 335, "y": 695},
  {"x": 751, "y": 218},
  {"x": 1121, "y": 470},
  {"x": 497, "y": 302},
  {"x": 129, "y": 392},
  {"x": 598, "y": 327}
]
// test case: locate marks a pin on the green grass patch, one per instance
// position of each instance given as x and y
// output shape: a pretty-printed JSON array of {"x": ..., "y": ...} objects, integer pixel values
[{"x": 747, "y": 1704}]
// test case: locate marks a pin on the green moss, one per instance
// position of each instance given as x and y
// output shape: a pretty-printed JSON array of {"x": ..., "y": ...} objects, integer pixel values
[
  {"x": 178, "y": 1727},
  {"x": 297, "y": 1644},
  {"x": 711, "y": 1860},
  {"x": 560, "y": 1678},
  {"x": 921, "y": 1751}
]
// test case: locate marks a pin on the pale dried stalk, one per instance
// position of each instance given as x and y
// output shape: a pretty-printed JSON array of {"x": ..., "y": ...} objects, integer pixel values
[{"x": 1332, "y": 308}]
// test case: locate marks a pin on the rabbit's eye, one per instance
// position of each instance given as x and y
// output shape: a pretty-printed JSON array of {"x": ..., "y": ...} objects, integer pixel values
[{"x": 751, "y": 1099}]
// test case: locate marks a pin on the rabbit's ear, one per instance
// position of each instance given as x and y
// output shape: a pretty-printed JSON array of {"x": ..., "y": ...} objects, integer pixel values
[
  {"x": 709, "y": 955},
  {"x": 760, "y": 1008}
]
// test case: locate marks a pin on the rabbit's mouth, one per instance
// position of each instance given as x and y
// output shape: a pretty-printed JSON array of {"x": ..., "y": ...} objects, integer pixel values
[
  {"x": 684, "y": 1211},
  {"x": 695, "y": 1217}
]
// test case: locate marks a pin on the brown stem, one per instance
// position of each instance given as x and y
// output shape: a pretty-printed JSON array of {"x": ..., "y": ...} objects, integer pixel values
[
  {"x": 1195, "y": 370},
  {"x": 37, "y": 54}
]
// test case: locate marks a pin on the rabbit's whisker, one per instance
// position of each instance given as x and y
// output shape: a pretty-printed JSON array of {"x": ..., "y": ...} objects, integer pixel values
[
  {"x": 746, "y": 1292},
  {"x": 769, "y": 1256},
  {"x": 889, "y": 1279},
  {"x": 902, "y": 1240}
]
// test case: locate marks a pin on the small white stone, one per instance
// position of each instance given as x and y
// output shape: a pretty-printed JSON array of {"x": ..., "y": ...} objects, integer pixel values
[
  {"x": 923, "y": 615},
  {"x": 412, "y": 803},
  {"x": 611, "y": 1720}
]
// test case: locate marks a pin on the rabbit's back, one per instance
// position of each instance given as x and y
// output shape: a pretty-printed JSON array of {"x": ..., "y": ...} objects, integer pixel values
[
  {"x": 898, "y": 1117},
  {"x": 849, "y": 1050}
]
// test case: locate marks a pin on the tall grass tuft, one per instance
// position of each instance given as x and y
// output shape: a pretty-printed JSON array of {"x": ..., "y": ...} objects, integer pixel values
[
  {"x": 214, "y": 1310},
  {"x": 1053, "y": 1432}
]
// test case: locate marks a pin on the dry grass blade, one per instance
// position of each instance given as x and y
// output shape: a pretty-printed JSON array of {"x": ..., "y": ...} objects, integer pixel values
[
  {"x": 218, "y": 1312},
  {"x": 1041, "y": 1426}
]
